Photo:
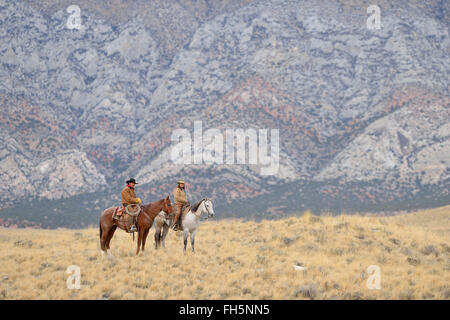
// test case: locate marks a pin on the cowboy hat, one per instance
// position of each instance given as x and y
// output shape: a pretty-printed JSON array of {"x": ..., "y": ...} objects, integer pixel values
[
  {"x": 132, "y": 180},
  {"x": 180, "y": 181}
]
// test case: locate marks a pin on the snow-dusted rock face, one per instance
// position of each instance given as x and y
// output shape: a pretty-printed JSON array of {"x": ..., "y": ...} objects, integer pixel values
[{"x": 362, "y": 114}]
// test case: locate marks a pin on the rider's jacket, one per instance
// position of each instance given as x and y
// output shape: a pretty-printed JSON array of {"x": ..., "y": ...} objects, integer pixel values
[
  {"x": 179, "y": 196},
  {"x": 128, "y": 196}
]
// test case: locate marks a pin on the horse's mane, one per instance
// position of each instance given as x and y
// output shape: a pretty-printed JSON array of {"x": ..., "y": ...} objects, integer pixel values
[
  {"x": 196, "y": 205},
  {"x": 151, "y": 204}
]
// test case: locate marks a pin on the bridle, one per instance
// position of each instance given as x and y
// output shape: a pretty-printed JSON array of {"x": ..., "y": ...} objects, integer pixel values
[{"x": 207, "y": 210}]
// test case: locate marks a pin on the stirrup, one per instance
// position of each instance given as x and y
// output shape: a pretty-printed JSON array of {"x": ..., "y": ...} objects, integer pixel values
[{"x": 133, "y": 228}]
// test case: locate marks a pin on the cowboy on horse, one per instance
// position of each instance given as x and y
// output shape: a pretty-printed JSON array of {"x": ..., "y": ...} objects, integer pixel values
[
  {"x": 129, "y": 198},
  {"x": 179, "y": 195}
]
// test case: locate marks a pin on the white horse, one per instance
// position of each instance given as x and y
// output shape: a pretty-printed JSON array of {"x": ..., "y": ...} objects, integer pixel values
[{"x": 189, "y": 223}]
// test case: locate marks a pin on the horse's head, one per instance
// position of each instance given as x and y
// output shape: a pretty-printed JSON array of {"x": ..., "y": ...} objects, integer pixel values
[
  {"x": 207, "y": 203},
  {"x": 167, "y": 206}
]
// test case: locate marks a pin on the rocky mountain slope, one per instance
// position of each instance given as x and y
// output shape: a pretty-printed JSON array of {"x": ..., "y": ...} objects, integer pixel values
[{"x": 363, "y": 115}]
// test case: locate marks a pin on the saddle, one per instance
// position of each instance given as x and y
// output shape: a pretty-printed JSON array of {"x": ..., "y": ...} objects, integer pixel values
[
  {"x": 118, "y": 212},
  {"x": 123, "y": 219},
  {"x": 184, "y": 210}
]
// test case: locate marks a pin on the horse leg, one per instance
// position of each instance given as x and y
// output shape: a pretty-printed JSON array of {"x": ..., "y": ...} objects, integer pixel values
[
  {"x": 160, "y": 238},
  {"x": 110, "y": 235},
  {"x": 103, "y": 239},
  {"x": 193, "y": 239},
  {"x": 157, "y": 236},
  {"x": 164, "y": 234},
  {"x": 144, "y": 238},
  {"x": 139, "y": 240},
  {"x": 185, "y": 238}
]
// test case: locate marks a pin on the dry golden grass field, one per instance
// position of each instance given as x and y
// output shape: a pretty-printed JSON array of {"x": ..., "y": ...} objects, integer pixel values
[{"x": 240, "y": 260}]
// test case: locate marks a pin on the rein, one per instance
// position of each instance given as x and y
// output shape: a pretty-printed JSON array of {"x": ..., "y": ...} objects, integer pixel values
[
  {"x": 199, "y": 216},
  {"x": 195, "y": 213},
  {"x": 145, "y": 213}
]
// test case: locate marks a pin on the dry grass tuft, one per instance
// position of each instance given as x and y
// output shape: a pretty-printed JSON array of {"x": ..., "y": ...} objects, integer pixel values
[{"x": 308, "y": 257}]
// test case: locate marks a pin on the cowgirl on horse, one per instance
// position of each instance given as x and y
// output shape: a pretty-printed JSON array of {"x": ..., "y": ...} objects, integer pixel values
[{"x": 181, "y": 202}]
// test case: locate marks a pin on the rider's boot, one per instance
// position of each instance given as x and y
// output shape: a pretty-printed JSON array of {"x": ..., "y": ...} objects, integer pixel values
[
  {"x": 133, "y": 226},
  {"x": 176, "y": 222}
]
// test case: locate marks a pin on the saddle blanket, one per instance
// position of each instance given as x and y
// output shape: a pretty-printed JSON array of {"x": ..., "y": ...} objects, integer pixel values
[{"x": 118, "y": 212}]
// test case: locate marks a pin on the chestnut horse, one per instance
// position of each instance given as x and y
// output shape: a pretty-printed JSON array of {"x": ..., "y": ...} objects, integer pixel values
[{"x": 144, "y": 222}]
